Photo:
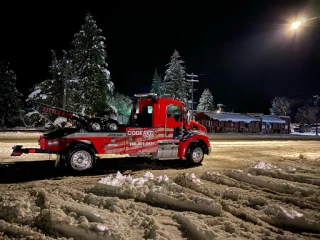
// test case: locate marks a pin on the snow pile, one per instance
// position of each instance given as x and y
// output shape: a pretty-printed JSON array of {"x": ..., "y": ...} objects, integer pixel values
[
  {"x": 160, "y": 191},
  {"x": 278, "y": 215},
  {"x": 120, "y": 180},
  {"x": 260, "y": 166},
  {"x": 186, "y": 178},
  {"x": 263, "y": 165},
  {"x": 126, "y": 186}
]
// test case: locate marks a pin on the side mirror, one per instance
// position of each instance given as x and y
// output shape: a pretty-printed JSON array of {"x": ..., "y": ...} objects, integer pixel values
[{"x": 188, "y": 116}]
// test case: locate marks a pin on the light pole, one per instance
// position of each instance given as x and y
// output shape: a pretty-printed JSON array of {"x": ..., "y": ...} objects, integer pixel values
[
  {"x": 295, "y": 26},
  {"x": 317, "y": 110}
]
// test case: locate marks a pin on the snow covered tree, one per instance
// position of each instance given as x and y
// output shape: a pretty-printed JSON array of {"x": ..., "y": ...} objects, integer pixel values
[
  {"x": 10, "y": 101},
  {"x": 175, "y": 83},
  {"x": 306, "y": 115},
  {"x": 157, "y": 84},
  {"x": 206, "y": 101},
  {"x": 280, "y": 106},
  {"x": 51, "y": 90},
  {"x": 90, "y": 69},
  {"x": 122, "y": 103}
]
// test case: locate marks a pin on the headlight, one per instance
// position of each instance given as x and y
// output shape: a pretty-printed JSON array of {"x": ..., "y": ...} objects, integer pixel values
[
  {"x": 55, "y": 142},
  {"x": 50, "y": 143}
]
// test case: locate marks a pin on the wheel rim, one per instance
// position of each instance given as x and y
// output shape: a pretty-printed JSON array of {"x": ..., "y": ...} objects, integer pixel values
[
  {"x": 81, "y": 160},
  {"x": 113, "y": 127},
  {"x": 197, "y": 155},
  {"x": 96, "y": 126}
]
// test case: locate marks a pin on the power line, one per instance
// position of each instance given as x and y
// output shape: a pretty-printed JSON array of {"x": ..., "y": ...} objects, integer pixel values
[{"x": 216, "y": 70}]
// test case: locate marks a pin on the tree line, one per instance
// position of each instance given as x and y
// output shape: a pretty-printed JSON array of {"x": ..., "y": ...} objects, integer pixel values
[{"x": 81, "y": 82}]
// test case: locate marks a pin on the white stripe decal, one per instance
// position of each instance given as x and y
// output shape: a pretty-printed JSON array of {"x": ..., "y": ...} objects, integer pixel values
[{"x": 90, "y": 134}]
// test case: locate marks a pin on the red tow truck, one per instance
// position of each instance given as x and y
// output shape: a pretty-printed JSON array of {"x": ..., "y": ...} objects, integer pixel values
[{"x": 157, "y": 129}]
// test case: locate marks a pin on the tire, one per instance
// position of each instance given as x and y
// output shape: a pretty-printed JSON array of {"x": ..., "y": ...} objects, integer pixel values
[
  {"x": 195, "y": 154},
  {"x": 95, "y": 126},
  {"x": 112, "y": 126},
  {"x": 80, "y": 158}
]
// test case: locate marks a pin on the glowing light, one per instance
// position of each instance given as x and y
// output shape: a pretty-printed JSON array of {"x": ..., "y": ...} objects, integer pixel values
[{"x": 295, "y": 25}]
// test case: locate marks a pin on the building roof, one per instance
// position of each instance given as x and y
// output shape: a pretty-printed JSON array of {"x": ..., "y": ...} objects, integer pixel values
[
  {"x": 239, "y": 117},
  {"x": 272, "y": 119},
  {"x": 234, "y": 117}
]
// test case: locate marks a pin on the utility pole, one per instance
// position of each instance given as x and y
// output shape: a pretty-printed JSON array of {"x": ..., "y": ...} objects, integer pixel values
[
  {"x": 66, "y": 73},
  {"x": 192, "y": 90},
  {"x": 317, "y": 110}
]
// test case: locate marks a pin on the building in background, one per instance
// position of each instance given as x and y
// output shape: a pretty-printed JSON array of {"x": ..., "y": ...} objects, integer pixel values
[{"x": 224, "y": 122}]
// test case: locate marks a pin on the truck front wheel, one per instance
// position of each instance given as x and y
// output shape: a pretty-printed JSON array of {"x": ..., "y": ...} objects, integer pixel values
[
  {"x": 195, "y": 154},
  {"x": 80, "y": 158}
]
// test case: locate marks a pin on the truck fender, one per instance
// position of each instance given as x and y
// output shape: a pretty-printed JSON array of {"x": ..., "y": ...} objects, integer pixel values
[
  {"x": 184, "y": 144},
  {"x": 73, "y": 143}
]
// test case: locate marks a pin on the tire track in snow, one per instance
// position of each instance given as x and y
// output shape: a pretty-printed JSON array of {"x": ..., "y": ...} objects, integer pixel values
[
  {"x": 301, "y": 178},
  {"x": 276, "y": 213},
  {"x": 124, "y": 207}
]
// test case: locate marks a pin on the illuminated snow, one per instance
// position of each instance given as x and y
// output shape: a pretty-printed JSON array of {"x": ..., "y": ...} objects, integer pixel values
[{"x": 263, "y": 165}]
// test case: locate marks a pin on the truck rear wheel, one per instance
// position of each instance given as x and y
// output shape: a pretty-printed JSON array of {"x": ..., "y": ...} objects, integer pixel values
[
  {"x": 195, "y": 154},
  {"x": 80, "y": 158}
]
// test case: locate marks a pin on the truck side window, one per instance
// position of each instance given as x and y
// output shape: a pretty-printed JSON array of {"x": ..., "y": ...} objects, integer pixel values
[{"x": 175, "y": 112}]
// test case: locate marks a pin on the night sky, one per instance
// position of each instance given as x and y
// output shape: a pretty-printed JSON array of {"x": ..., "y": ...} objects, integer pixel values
[{"x": 241, "y": 49}]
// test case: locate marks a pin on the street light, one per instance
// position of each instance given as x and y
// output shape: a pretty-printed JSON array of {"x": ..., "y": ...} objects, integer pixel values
[
  {"x": 219, "y": 105},
  {"x": 295, "y": 25}
]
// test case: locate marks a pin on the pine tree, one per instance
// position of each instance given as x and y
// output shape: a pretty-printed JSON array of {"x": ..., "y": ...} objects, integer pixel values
[
  {"x": 175, "y": 83},
  {"x": 90, "y": 68},
  {"x": 157, "y": 84},
  {"x": 280, "y": 106},
  {"x": 206, "y": 101},
  {"x": 306, "y": 114},
  {"x": 10, "y": 101},
  {"x": 122, "y": 103},
  {"x": 51, "y": 90}
]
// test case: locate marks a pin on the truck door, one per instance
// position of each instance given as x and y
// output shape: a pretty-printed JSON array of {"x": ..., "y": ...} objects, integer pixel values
[{"x": 149, "y": 140}]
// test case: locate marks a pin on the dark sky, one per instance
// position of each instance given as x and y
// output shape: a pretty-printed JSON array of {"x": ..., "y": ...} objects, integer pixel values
[{"x": 243, "y": 48}]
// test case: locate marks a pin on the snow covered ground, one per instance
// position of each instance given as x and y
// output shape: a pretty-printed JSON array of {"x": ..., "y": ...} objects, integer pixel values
[
  {"x": 265, "y": 201},
  {"x": 244, "y": 190}
]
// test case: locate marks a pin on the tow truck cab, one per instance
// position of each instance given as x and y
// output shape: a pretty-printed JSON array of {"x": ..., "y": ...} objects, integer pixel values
[{"x": 161, "y": 113}]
